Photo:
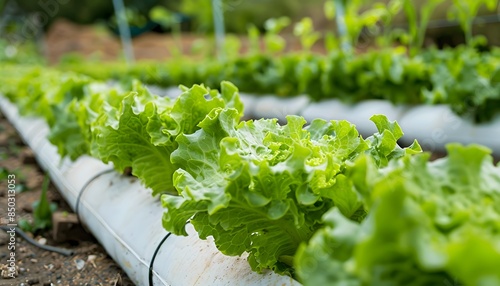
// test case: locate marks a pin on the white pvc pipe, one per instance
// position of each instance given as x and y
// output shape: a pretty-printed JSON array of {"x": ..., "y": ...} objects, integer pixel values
[
  {"x": 269, "y": 106},
  {"x": 433, "y": 126},
  {"x": 126, "y": 220},
  {"x": 358, "y": 114}
]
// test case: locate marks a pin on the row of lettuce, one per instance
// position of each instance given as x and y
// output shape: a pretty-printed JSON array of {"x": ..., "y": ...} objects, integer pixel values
[
  {"x": 466, "y": 79},
  {"x": 314, "y": 201}
]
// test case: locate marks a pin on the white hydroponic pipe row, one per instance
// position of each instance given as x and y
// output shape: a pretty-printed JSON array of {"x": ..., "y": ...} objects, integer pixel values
[
  {"x": 126, "y": 220},
  {"x": 433, "y": 126}
]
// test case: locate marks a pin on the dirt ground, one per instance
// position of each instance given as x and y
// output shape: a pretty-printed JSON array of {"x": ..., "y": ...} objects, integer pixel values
[
  {"x": 37, "y": 266},
  {"x": 65, "y": 37}
]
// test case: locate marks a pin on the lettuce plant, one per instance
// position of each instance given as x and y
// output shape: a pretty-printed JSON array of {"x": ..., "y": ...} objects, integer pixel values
[
  {"x": 428, "y": 223},
  {"x": 261, "y": 188}
]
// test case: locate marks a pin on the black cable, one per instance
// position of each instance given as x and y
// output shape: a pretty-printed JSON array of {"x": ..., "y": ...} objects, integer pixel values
[
  {"x": 155, "y": 253},
  {"x": 77, "y": 206},
  {"x": 63, "y": 251},
  {"x": 154, "y": 257}
]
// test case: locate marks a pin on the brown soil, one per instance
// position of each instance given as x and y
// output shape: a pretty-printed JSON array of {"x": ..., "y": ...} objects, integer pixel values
[
  {"x": 66, "y": 37},
  {"x": 37, "y": 266}
]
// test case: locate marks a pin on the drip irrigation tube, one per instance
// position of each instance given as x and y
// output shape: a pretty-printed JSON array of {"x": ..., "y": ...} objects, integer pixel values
[
  {"x": 126, "y": 220},
  {"x": 63, "y": 251}
]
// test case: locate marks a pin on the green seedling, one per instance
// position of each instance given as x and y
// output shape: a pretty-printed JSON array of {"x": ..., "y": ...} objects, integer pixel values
[
  {"x": 331, "y": 40},
  {"x": 253, "y": 39},
  {"x": 274, "y": 42},
  {"x": 418, "y": 22},
  {"x": 356, "y": 18},
  {"x": 20, "y": 187},
  {"x": 464, "y": 11},
  {"x": 42, "y": 211},
  {"x": 232, "y": 46},
  {"x": 329, "y": 9},
  {"x": 304, "y": 30},
  {"x": 388, "y": 13},
  {"x": 4, "y": 173}
]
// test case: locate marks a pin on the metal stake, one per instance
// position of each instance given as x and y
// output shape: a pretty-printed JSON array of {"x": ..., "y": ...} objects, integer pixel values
[{"x": 124, "y": 31}]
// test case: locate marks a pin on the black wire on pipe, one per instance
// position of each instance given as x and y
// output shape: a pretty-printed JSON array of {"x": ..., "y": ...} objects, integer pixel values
[
  {"x": 151, "y": 264},
  {"x": 87, "y": 184},
  {"x": 150, "y": 273},
  {"x": 63, "y": 251}
]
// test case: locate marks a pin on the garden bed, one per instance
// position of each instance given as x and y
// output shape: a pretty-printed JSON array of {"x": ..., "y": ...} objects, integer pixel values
[
  {"x": 134, "y": 239},
  {"x": 37, "y": 266},
  {"x": 105, "y": 187}
]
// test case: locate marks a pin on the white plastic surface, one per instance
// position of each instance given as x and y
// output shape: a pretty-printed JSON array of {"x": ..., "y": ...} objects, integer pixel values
[
  {"x": 436, "y": 126},
  {"x": 433, "y": 126},
  {"x": 126, "y": 220},
  {"x": 331, "y": 109},
  {"x": 277, "y": 107},
  {"x": 30, "y": 125},
  {"x": 248, "y": 101},
  {"x": 171, "y": 92}
]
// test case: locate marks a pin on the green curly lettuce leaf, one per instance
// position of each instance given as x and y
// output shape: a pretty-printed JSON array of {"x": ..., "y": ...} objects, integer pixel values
[
  {"x": 429, "y": 223},
  {"x": 262, "y": 188},
  {"x": 141, "y": 133}
]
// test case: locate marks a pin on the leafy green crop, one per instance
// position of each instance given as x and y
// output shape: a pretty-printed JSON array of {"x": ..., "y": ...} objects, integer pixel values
[
  {"x": 121, "y": 136},
  {"x": 465, "y": 79},
  {"x": 274, "y": 42},
  {"x": 261, "y": 188},
  {"x": 466, "y": 10},
  {"x": 428, "y": 223},
  {"x": 141, "y": 133},
  {"x": 130, "y": 129},
  {"x": 317, "y": 202},
  {"x": 305, "y": 31},
  {"x": 418, "y": 21}
]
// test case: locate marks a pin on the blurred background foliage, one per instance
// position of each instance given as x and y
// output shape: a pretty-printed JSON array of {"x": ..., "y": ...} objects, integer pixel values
[
  {"x": 197, "y": 12},
  {"x": 196, "y": 16}
]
